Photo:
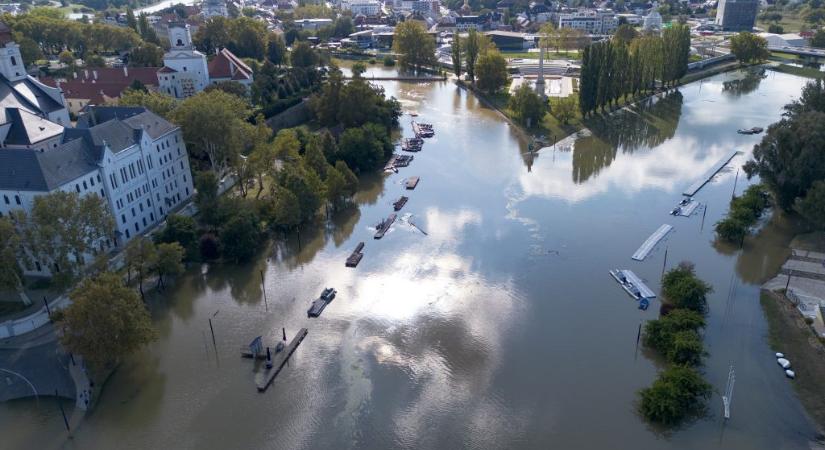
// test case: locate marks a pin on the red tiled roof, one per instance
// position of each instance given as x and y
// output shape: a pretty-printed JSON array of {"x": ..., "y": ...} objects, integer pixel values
[
  {"x": 226, "y": 65},
  {"x": 110, "y": 82}
]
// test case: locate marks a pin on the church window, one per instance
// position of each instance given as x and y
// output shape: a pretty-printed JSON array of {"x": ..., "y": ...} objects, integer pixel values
[
  {"x": 13, "y": 61},
  {"x": 179, "y": 44}
]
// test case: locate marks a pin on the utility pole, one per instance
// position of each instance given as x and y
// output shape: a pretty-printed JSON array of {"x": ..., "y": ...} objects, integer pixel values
[
  {"x": 728, "y": 397},
  {"x": 263, "y": 287},
  {"x": 664, "y": 265}
]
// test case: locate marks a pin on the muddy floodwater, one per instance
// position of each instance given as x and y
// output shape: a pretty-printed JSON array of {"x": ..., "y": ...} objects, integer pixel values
[{"x": 486, "y": 317}]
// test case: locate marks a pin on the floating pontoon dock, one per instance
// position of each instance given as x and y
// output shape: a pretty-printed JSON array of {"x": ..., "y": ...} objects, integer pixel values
[
  {"x": 398, "y": 204},
  {"x": 264, "y": 379},
  {"x": 686, "y": 209},
  {"x": 384, "y": 226},
  {"x": 651, "y": 242},
  {"x": 412, "y": 182},
  {"x": 632, "y": 284},
  {"x": 694, "y": 188},
  {"x": 356, "y": 256}
]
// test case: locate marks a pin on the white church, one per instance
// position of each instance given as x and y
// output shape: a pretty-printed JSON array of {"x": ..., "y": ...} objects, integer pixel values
[
  {"x": 132, "y": 158},
  {"x": 186, "y": 72}
]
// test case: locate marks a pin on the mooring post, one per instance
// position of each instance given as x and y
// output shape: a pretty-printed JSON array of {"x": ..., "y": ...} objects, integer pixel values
[
  {"x": 62, "y": 411},
  {"x": 268, "y": 359},
  {"x": 213, "y": 332},
  {"x": 263, "y": 287},
  {"x": 733, "y": 194},
  {"x": 284, "y": 331},
  {"x": 704, "y": 213},
  {"x": 790, "y": 272},
  {"x": 664, "y": 265},
  {"x": 48, "y": 310}
]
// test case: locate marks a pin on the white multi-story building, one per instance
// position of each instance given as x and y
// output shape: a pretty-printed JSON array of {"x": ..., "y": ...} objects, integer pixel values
[
  {"x": 185, "y": 71},
  {"x": 590, "y": 21},
  {"x": 130, "y": 157},
  {"x": 214, "y": 8},
  {"x": 368, "y": 8}
]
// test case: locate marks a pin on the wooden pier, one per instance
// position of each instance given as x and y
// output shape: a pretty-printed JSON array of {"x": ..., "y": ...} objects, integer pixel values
[
  {"x": 412, "y": 182},
  {"x": 265, "y": 378},
  {"x": 694, "y": 188}
]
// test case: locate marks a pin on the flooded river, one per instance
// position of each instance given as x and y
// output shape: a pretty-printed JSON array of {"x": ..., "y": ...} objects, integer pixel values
[{"x": 498, "y": 328}]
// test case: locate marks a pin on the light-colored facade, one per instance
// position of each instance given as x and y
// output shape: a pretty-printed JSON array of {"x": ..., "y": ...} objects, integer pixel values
[
  {"x": 185, "y": 72},
  {"x": 590, "y": 21},
  {"x": 368, "y": 8},
  {"x": 130, "y": 157}
]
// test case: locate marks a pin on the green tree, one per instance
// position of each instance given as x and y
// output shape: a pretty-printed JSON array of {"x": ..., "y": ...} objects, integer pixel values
[
  {"x": 527, "y": 106},
  {"x": 677, "y": 393},
  {"x": 66, "y": 57},
  {"x": 456, "y": 54},
  {"x": 731, "y": 230},
  {"x": 140, "y": 255},
  {"x": 748, "y": 47},
  {"x": 284, "y": 212},
  {"x": 683, "y": 289},
  {"x": 565, "y": 109},
  {"x": 414, "y": 44},
  {"x": 774, "y": 28},
  {"x": 276, "y": 49},
  {"x": 160, "y": 104},
  {"x": 214, "y": 127},
  {"x": 362, "y": 148},
  {"x": 168, "y": 261},
  {"x": 212, "y": 35},
  {"x": 625, "y": 34},
  {"x": 206, "y": 196},
  {"x": 307, "y": 187},
  {"x": 472, "y": 49},
  {"x": 146, "y": 55},
  {"x": 11, "y": 274},
  {"x": 183, "y": 230},
  {"x": 146, "y": 31},
  {"x": 314, "y": 158},
  {"x": 248, "y": 38},
  {"x": 63, "y": 228},
  {"x": 303, "y": 55},
  {"x": 491, "y": 71},
  {"x": 105, "y": 322},
  {"x": 131, "y": 20},
  {"x": 240, "y": 236},
  {"x": 812, "y": 205},
  {"x": 818, "y": 39}
]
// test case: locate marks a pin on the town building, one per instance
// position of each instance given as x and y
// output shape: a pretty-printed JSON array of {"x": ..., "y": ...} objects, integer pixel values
[
  {"x": 785, "y": 40},
  {"x": 130, "y": 157},
  {"x": 590, "y": 21},
  {"x": 365, "y": 7},
  {"x": 101, "y": 86},
  {"x": 508, "y": 40},
  {"x": 214, "y": 8},
  {"x": 653, "y": 21},
  {"x": 313, "y": 24},
  {"x": 736, "y": 15},
  {"x": 186, "y": 71}
]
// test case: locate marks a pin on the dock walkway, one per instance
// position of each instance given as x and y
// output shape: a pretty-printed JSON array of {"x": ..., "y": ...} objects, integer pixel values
[
  {"x": 265, "y": 378},
  {"x": 651, "y": 242},
  {"x": 694, "y": 188}
]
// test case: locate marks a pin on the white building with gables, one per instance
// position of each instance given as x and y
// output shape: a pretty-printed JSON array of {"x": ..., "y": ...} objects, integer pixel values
[{"x": 186, "y": 72}]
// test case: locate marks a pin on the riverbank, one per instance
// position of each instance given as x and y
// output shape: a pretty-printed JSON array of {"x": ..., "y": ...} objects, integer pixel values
[
  {"x": 789, "y": 333},
  {"x": 808, "y": 72}
]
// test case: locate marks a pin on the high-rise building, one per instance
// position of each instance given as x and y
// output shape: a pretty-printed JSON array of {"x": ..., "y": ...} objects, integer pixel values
[{"x": 736, "y": 15}]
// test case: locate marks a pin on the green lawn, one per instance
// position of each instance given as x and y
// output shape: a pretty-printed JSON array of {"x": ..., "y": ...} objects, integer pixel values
[{"x": 791, "y": 23}]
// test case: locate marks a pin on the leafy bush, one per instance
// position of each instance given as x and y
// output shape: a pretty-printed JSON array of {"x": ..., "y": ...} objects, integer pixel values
[
  {"x": 678, "y": 392},
  {"x": 684, "y": 289}
]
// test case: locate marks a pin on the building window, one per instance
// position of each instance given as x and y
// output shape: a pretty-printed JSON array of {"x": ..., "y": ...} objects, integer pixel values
[
  {"x": 123, "y": 218},
  {"x": 141, "y": 207},
  {"x": 37, "y": 264},
  {"x": 77, "y": 187},
  {"x": 17, "y": 199},
  {"x": 127, "y": 234},
  {"x": 144, "y": 221},
  {"x": 98, "y": 178},
  {"x": 152, "y": 216},
  {"x": 133, "y": 212},
  {"x": 137, "y": 228},
  {"x": 13, "y": 61},
  {"x": 102, "y": 194},
  {"x": 85, "y": 186},
  {"x": 187, "y": 192},
  {"x": 6, "y": 198}
]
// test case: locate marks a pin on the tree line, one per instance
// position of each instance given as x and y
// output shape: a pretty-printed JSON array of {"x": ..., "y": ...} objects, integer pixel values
[
  {"x": 789, "y": 159},
  {"x": 616, "y": 69},
  {"x": 478, "y": 57}
]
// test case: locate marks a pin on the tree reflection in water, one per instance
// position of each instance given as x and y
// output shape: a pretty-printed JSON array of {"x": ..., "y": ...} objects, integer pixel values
[
  {"x": 645, "y": 125},
  {"x": 745, "y": 85}
]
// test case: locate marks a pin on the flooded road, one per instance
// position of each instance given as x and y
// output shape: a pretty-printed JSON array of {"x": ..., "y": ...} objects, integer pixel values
[{"x": 498, "y": 328}]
